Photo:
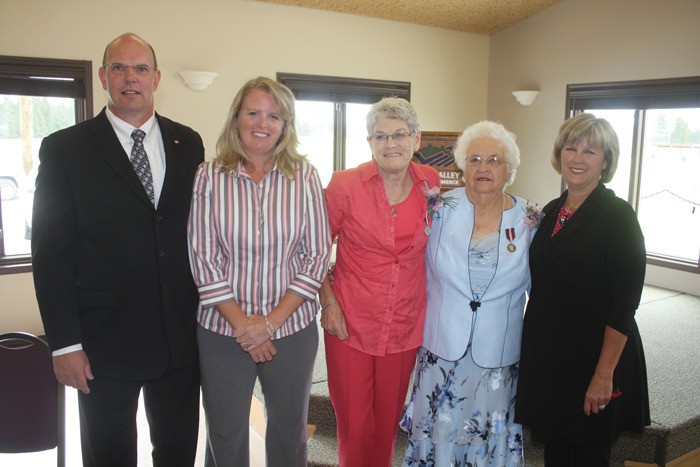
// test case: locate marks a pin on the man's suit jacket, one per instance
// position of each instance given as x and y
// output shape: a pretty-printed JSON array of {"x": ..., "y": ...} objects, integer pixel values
[{"x": 110, "y": 270}]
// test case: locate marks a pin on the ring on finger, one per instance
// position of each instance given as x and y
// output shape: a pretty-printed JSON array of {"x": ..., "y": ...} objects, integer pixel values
[{"x": 601, "y": 406}]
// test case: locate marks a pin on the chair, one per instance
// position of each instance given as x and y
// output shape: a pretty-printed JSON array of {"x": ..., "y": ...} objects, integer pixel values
[{"x": 32, "y": 402}]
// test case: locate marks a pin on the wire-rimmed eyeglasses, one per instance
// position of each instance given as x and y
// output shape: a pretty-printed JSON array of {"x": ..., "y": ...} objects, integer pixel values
[
  {"x": 493, "y": 161},
  {"x": 120, "y": 68},
  {"x": 398, "y": 137}
]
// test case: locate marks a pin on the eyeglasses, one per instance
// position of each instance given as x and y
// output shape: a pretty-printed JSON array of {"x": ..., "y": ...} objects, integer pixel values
[
  {"x": 398, "y": 137},
  {"x": 120, "y": 69},
  {"x": 475, "y": 161}
]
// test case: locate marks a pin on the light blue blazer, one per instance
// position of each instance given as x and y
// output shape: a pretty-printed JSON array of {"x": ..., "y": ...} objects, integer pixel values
[{"x": 450, "y": 324}]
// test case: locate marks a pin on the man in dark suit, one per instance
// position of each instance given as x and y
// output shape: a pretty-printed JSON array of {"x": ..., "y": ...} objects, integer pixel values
[{"x": 111, "y": 271}]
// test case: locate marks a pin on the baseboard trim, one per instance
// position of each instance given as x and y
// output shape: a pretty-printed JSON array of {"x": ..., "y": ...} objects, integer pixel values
[{"x": 691, "y": 459}]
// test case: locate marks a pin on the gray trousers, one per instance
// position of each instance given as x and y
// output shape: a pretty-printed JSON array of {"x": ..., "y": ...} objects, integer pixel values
[{"x": 228, "y": 377}]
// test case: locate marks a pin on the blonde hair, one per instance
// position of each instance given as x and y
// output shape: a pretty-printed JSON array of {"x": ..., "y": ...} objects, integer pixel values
[
  {"x": 599, "y": 133},
  {"x": 229, "y": 148}
]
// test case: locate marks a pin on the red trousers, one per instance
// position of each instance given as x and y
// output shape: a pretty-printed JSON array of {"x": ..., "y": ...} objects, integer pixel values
[{"x": 368, "y": 394}]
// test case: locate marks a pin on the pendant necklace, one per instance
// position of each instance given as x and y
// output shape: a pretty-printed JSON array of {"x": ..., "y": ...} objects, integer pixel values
[
  {"x": 565, "y": 214},
  {"x": 394, "y": 213},
  {"x": 475, "y": 302},
  {"x": 427, "y": 221}
]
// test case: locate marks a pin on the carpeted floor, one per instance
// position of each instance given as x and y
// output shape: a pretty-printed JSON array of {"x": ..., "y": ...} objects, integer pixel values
[{"x": 669, "y": 323}]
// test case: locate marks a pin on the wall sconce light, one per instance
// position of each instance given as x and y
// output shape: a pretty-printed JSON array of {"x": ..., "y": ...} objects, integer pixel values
[
  {"x": 197, "y": 80},
  {"x": 525, "y": 98}
]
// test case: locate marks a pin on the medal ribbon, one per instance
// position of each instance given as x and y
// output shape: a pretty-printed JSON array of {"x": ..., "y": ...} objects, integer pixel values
[{"x": 510, "y": 234}]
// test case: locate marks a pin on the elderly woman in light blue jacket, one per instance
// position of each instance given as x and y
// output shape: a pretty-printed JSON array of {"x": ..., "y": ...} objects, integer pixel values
[{"x": 461, "y": 410}]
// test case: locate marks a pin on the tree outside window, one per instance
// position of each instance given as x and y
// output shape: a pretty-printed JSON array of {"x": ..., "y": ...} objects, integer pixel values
[{"x": 658, "y": 124}]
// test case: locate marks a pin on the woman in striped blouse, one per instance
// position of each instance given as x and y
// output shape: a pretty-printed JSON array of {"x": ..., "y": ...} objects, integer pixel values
[{"x": 259, "y": 248}]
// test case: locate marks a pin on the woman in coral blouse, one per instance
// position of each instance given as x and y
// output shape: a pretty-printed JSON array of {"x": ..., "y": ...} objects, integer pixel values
[{"x": 373, "y": 313}]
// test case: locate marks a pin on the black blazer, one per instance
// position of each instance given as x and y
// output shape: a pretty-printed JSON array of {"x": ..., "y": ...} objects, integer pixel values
[
  {"x": 110, "y": 270},
  {"x": 588, "y": 276}
]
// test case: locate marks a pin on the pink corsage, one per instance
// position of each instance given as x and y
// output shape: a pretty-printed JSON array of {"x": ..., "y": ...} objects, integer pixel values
[
  {"x": 533, "y": 216},
  {"x": 436, "y": 201}
]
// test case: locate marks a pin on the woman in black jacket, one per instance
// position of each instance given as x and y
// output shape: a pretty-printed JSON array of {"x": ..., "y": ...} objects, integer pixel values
[{"x": 582, "y": 369}]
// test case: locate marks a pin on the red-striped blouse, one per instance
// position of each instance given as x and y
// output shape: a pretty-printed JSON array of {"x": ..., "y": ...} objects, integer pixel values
[{"x": 253, "y": 242}]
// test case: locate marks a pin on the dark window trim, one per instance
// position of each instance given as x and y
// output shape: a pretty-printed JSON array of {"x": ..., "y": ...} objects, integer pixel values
[
  {"x": 673, "y": 263},
  {"x": 15, "y": 264},
  {"x": 342, "y": 91},
  {"x": 339, "y": 89},
  {"x": 640, "y": 95},
  {"x": 646, "y": 94},
  {"x": 22, "y": 76}
]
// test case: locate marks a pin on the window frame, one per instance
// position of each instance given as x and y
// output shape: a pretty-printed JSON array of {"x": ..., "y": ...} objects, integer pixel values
[
  {"x": 342, "y": 91},
  {"x": 640, "y": 95},
  {"x": 22, "y": 76}
]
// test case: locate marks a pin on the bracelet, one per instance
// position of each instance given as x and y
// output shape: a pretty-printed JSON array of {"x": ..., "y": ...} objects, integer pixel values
[
  {"x": 270, "y": 328},
  {"x": 332, "y": 302}
]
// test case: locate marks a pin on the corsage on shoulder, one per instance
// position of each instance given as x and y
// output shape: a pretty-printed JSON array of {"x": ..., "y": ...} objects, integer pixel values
[
  {"x": 533, "y": 216},
  {"x": 436, "y": 201}
]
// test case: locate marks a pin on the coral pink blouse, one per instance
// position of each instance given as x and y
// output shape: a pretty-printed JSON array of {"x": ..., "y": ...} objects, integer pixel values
[{"x": 379, "y": 283}]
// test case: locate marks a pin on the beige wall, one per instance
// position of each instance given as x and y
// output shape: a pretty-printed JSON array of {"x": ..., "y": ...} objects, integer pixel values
[
  {"x": 586, "y": 41},
  {"x": 452, "y": 73},
  {"x": 239, "y": 40}
]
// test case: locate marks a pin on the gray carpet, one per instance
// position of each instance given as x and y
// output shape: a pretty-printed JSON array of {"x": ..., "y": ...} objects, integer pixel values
[{"x": 669, "y": 323}]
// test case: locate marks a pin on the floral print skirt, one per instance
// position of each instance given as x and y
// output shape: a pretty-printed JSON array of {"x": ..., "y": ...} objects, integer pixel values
[{"x": 461, "y": 414}]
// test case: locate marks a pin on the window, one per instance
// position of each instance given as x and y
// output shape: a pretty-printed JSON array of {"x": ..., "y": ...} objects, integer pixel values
[
  {"x": 37, "y": 97},
  {"x": 331, "y": 117},
  {"x": 658, "y": 124}
]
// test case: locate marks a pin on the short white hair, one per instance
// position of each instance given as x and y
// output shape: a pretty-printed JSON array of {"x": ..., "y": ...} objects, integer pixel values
[{"x": 493, "y": 130}]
